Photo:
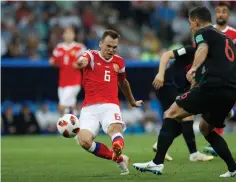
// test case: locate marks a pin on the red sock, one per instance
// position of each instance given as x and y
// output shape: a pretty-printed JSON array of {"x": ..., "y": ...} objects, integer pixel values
[
  {"x": 219, "y": 131},
  {"x": 102, "y": 151},
  {"x": 118, "y": 138}
]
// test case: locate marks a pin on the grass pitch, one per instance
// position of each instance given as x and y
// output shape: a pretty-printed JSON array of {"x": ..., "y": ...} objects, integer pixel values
[{"x": 57, "y": 159}]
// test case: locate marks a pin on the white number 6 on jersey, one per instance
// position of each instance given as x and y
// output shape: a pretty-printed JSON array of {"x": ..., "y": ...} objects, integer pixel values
[{"x": 107, "y": 76}]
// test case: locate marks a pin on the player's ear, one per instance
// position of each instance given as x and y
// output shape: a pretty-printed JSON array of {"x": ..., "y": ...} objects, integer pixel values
[
  {"x": 197, "y": 22},
  {"x": 100, "y": 44}
]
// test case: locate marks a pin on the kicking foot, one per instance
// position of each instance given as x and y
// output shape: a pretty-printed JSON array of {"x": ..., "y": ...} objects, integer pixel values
[
  {"x": 228, "y": 174},
  {"x": 124, "y": 165},
  {"x": 117, "y": 148},
  {"x": 210, "y": 150},
  {"x": 150, "y": 167},
  {"x": 198, "y": 156},
  {"x": 167, "y": 157}
]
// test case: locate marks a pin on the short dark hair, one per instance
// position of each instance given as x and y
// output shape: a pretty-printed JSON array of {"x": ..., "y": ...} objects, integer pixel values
[
  {"x": 224, "y": 4},
  {"x": 201, "y": 13},
  {"x": 112, "y": 33}
]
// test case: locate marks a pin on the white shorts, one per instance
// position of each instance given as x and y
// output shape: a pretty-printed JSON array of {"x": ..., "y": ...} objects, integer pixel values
[
  {"x": 68, "y": 95},
  {"x": 94, "y": 116}
]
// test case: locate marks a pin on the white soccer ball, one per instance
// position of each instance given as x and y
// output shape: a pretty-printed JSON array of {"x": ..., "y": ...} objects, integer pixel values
[{"x": 68, "y": 125}]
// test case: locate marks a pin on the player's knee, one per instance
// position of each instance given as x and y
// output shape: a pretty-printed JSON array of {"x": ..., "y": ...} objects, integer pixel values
[
  {"x": 85, "y": 140},
  {"x": 114, "y": 128},
  {"x": 86, "y": 143},
  {"x": 171, "y": 113}
]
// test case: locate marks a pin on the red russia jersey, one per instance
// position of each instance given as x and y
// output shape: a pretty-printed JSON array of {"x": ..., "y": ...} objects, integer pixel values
[
  {"x": 64, "y": 56},
  {"x": 100, "y": 78},
  {"x": 230, "y": 32}
]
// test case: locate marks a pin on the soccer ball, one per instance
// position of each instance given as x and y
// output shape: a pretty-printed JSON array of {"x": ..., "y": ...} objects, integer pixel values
[{"x": 68, "y": 125}]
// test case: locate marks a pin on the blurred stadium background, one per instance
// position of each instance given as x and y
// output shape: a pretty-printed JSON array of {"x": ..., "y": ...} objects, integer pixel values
[{"x": 29, "y": 32}]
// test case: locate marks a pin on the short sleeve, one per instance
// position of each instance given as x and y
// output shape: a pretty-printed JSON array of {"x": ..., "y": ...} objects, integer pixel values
[
  {"x": 122, "y": 73},
  {"x": 122, "y": 66},
  {"x": 56, "y": 55},
  {"x": 185, "y": 54},
  {"x": 184, "y": 51},
  {"x": 88, "y": 55},
  {"x": 202, "y": 36}
]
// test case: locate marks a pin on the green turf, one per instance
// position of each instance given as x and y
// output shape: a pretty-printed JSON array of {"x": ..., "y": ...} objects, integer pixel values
[{"x": 57, "y": 159}]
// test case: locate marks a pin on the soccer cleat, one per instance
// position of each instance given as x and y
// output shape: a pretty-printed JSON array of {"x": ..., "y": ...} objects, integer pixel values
[
  {"x": 117, "y": 148},
  {"x": 124, "y": 165},
  {"x": 167, "y": 157},
  {"x": 210, "y": 150},
  {"x": 231, "y": 114},
  {"x": 228, "y": 174},
  {"x": 154, "y": 147},
  {"x": 198, "y": 156},
  {"x": 150, "y": 167}
]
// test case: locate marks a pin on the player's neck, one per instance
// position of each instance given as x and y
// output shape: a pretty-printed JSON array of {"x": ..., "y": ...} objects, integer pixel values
[
  {"x": 102, "y": 55},
  {"x": 205, "y": 25},
  {"x": 221, "y": 27},
  {"x": 68, "y": 43}
]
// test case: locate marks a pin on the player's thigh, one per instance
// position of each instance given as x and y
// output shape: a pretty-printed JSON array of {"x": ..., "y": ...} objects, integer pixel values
[
  {"x": 218, "y": 112},
  {"x": 111, "y": 114},
  {"x": 68, "y": 95},
  {"x": 167, "y": 95},
  {"x": 176, "y": 112},
  {"x": 194, "y": 101},
  {"x": 89, "y": 120}
]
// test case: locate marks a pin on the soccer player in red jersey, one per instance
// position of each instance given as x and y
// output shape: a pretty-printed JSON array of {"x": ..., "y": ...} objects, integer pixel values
[
  {"x": 64, "y": 57},
  {"x": 222, "y": 13},
  {"x": 103, "y": 72}
]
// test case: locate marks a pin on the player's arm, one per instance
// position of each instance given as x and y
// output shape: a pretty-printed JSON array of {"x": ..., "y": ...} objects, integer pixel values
[
  {"x": 53, "y": 61},
  {"x": 125, "y": 87},
  {"x": 159, "y": 78},
  {"x": 83, "y": 60},
  {"x": 202, "y": 39},
  {"x": 75, "y": 65},
  {"x": 199, "y": 59}
]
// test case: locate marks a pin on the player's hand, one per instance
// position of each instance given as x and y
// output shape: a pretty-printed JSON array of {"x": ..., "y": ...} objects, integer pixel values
[
  {"x": 191, "y": 74},
  {"x": 82, "y": 62},
  {"x": 137, "y": 103},
  {"x": 158, "y": 81},
  {"x": 75, "y": 66}
]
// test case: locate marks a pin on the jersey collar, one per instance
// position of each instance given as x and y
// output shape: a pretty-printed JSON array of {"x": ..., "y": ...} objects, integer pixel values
[{"x": 109, "y": 60}]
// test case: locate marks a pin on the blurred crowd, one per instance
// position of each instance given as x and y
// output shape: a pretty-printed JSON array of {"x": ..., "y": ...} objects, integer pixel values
[
  {"x": 31, "y": 29},
  {"x": 29, "y": 117},
  {"x": 41, "y": 118}
]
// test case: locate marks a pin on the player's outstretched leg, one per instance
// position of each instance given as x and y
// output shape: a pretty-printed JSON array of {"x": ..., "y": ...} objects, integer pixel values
[
  {"x": 220, "y": 146},
  {"x": 189, "y": 137},
  {"x": 169, "y": 131},
  {"x": 99, "y": 149}
]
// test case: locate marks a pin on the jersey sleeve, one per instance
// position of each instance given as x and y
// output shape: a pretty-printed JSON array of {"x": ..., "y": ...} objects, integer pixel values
[
  {"x": 122, "y": 73},
  {"x": 185, "y": 54},
  {"x": 203, "y": 36},
  {"x": 89, "y": 55},
  {"x": 55, "y": 55}
]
